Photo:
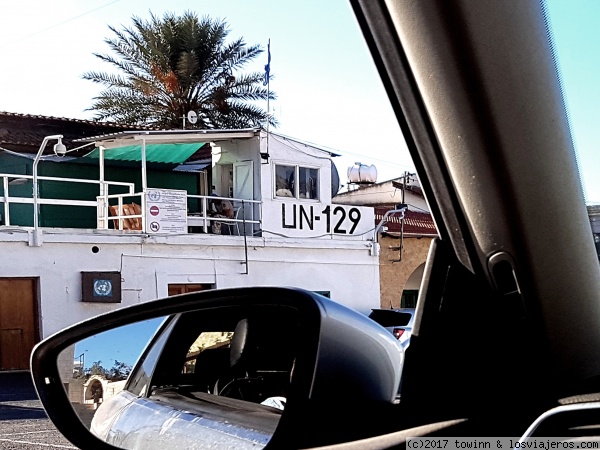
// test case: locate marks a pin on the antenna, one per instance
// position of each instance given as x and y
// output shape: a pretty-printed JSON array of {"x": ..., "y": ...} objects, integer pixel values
[{"x": 192, "y": 118}]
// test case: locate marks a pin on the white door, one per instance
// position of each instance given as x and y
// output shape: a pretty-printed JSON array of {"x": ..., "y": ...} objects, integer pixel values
[
  {"x": 243, "y": 180},
  {"x": 243, "y": 187}
]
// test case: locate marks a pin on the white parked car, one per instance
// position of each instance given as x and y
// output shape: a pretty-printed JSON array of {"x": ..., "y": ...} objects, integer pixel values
[{"x": 399, "y": 322}]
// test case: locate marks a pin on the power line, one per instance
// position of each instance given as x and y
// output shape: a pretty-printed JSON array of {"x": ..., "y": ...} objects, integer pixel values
[
  {"x": 63, "y": 22},
  {"x": 347, "y": 153},
  {"x": 344, "y": 152}
]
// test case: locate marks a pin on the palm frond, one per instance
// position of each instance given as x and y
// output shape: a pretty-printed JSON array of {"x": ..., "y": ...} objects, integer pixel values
[{"x": 168, "y": 65}]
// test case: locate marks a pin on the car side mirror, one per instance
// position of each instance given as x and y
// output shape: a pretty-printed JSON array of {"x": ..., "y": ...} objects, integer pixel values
[{"x": 230, "y": 368}]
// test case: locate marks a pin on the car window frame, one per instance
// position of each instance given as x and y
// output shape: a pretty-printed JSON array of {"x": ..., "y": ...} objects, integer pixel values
[{"x": 139, "y": 381}]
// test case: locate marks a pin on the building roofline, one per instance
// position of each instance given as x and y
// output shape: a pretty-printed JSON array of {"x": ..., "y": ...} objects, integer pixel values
[
  {"x": 152, "y": 134},
  {"x": 310, "y": 144},
  {"x": 67, "y": 119},
  {"x": 163, "y": 136},
  {"x": 122, "y": 138}
]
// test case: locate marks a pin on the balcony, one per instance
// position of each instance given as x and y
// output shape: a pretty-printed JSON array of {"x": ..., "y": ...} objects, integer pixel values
[{"x": 128, "y": 211}]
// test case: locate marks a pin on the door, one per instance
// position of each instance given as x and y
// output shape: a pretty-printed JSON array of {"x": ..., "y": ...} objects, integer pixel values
[
  {"x": 18, "y": 319},
  {"x": 243, "y": 187},
  {"x": 243, "y": 181}
]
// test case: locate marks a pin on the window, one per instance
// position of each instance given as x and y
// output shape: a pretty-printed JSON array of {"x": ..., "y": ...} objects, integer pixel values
[
  {"x": 284, "y": 181},
  {"x": 296, "y": 182},
  {"x": 204, "y": 343},
  {"x": 308, "y": 180},
  {"x": 409, "y": 298},
  {"x": 176, "y": 289},
  {"x": 140, "y": 379}
]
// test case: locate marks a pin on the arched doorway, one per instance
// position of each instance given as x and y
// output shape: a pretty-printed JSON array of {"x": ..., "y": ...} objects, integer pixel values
[
  {"x": 94, "y": 391},
  {"x": 411, "y": 288}
]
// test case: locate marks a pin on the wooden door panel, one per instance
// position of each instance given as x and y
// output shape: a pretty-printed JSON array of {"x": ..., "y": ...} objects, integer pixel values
[
  {"x": 11, "y": 348},
  {"x": 18, "y": 332}
]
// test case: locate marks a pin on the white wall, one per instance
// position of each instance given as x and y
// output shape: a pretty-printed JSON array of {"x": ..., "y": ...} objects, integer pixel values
[
  {"x": 314, "y": 219},
  {"x": 149, "y": 263},
  {"x": 316, "y": 257},
  {"x": 300, "y": 217},
  {"x": 289, "y": 152},
  {"x": 291, "y": 217}
]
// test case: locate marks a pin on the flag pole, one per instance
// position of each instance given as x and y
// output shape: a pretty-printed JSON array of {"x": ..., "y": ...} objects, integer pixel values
[
  {"x": 267, "y": 82},
  {"x": 268, "y": 113}
]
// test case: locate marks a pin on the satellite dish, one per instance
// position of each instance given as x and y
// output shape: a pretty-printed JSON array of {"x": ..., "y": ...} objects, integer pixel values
[{"x": 192, "y": 117}]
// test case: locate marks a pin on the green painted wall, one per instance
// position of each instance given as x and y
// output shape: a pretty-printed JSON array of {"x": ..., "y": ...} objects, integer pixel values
[{"x": 73, "y": 216}]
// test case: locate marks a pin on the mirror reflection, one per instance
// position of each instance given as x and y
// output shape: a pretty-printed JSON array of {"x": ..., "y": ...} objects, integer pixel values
[
  {"x": 96, "y": 368},
  {"x": 222, "y": 375}
]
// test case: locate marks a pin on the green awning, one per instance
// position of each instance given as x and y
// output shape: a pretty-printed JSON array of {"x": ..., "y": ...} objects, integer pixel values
[{"x": 158, "y": 153}]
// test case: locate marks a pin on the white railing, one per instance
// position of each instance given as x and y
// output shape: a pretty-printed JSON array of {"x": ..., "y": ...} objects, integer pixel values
[
  {"x": 120, "y": 213},
  {"x": 103, "y": 186},
  {"x": 247, "y": 213},
  {"x": 205, "y": 218}
]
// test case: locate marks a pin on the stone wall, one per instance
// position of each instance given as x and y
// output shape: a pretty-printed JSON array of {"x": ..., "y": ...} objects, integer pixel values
[{"x": 393, "y": 273}]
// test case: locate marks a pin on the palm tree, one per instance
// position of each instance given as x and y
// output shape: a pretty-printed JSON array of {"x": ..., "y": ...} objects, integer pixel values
[{"x": 176, "y": 64}]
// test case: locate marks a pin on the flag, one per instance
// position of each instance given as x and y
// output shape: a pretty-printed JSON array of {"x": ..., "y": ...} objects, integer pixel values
[{"x": 268, "y": 66}]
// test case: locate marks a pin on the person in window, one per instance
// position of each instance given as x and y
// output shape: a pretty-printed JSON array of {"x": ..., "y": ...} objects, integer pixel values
[
  {"x": 212, "y": 204},
  {"x": 225, "y": 209},
  {"x": 222, "y": 208},
  {"x": 219, "y": 207}
]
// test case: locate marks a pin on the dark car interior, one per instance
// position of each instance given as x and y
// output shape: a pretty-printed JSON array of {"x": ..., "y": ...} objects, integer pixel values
[
  {"x": 390, "y": 317},
  {"x": 254, "y": 364},
  {"x": 476, "y": 90}
]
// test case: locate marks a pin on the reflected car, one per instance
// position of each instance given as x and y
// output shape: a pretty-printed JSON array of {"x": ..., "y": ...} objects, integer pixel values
[
  {"x": 399, "y": 322},
  {"x": 222, "y": 369},
  {"x": 196, "y": 373}
]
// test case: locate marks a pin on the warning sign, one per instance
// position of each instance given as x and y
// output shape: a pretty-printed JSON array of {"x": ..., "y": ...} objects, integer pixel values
[{"x": 166, "y": 211}]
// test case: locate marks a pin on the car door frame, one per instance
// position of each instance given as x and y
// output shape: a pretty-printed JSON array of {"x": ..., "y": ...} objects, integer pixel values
[{"x": 476, "y": 91}]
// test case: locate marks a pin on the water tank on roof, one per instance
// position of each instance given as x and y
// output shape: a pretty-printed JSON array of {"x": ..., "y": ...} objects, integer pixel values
[{"x": 362, "y": 174}]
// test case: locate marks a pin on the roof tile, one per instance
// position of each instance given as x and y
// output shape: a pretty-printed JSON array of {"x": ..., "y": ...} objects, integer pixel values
[{"x": 420, "y": 223}]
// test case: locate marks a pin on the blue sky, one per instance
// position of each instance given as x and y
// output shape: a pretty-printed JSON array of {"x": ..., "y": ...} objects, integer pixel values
[
  {"x": 576, "y": 30},
  {"x": 328, "y": 90},
  {"x": 124, "y": 344}
]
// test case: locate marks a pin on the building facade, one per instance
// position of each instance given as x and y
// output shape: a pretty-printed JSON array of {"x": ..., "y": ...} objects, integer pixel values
[
  {"x": 404, "y": 240},
  {"x": 75, "y": 249}
]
